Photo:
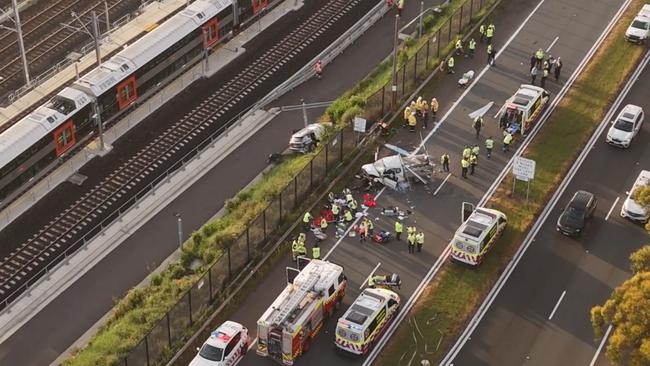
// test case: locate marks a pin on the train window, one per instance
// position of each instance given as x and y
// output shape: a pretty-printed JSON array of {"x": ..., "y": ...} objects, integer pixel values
[
  {"x": 64, "y": 138},
  {"x": 259, "y": 5},
  {"x": 211, "y": 31},
  {"x": 126, "y": 92}
]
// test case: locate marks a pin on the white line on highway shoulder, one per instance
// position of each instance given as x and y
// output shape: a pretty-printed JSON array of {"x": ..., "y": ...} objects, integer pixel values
[
  {"x": 600, "y": 347},
  {"x": 442, "y": 184},
  {"x": 552, "y": 43},
  {"x": 252, "y": 344},
  {"x": 611, "y": 209},
  {"x": 557, "y": 305},
  {"x": 370, "y": 275}
]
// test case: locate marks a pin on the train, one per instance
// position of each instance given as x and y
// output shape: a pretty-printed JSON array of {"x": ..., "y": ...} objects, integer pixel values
[{"x": 36, "y": 143}]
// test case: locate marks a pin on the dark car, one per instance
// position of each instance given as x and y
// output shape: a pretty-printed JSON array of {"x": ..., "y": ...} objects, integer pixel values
[{"x": 575, "y": 214}]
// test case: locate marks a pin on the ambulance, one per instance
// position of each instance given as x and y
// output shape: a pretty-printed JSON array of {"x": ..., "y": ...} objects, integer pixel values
[
  {"x": 476, "y": 236},
  {"x": 366, "y": 320},
  {"x": 288, "y": 327},
  {"x": 523, "y": 109}
]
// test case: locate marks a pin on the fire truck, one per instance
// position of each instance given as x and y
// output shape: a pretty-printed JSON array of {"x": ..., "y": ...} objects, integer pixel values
[{"x": 289, "y": 325}]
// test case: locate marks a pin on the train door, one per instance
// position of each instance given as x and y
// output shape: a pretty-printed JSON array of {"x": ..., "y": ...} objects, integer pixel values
[
  {"x": 211, "y": 33},
  {"x": 126, "y": 92},
  {"x": 64, "y": 138},
  {"x": 259, "y": 5}
]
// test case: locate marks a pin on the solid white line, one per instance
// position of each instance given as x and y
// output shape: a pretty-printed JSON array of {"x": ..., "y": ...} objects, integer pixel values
[
  {"x": 552, "y": 43},
  {"x": 499, "y": 111},
  {"x": 557, "y": 305},
  {"x": 350, "y": 227},
  {"x": 253, "y": 343},
  {"x": 546, "y": 211},
  {"x": 611, "y": 209},
  {"x": 600, "y": 347},
  {"x": 480, "y": 75},
  {"x": 442, "y": 184},
  {"x": 372, "y": 273}
]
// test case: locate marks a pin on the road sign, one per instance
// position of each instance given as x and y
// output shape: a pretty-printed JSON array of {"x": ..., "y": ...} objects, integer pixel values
[
  {"x": 523, "y": 169},
  {"x": 359, "y": 124}
]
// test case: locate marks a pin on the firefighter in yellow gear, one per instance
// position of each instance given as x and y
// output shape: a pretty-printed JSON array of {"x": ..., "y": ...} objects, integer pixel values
[
  {"x": 413, "y": 121},
  {"x": 407, "y": 113},
  {"x": 434, "y": 106}
]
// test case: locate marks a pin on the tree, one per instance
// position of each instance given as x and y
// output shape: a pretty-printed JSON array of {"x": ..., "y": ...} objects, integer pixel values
[
  {"x": 628, "y": 312},
  {"x": 641, "y": 196},
  {"x": 640, "y": 260}
]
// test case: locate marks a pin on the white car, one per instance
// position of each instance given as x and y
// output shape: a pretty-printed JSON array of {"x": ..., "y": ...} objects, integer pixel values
[
  {"x": 226, "y": 346},
  {"x": 631, "y": 209},
  {"x": 639, "y": 30},
  {"x": 625, "y": 126}
]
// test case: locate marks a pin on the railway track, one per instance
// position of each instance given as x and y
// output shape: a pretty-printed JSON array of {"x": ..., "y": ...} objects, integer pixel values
[
  {"x": 67, "y": 231},
  {"x": 46, "y": 40}
]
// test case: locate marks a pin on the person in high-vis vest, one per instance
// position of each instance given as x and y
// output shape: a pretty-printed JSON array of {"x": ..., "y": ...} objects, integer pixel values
[
  {"x": 352, "y": 205},
  {"x": 481, "y": 31},
  {"x": 467, "y": 151},
  {"x": 400, "y": 7},
  {"x": 476, "y": 151},
  {"x": 398, "y": 230},
  {"x": 336, "y": 210},
  {"x": 413, "y": 121},
  {"x": 434, "y": 107},
  {"x": 539, "y": 55},
  {"x": 473, "y": 162},
  {"x": 544, "y": 77},
  {"x": 349, "y": 197},
  {"x": 507, "y": 139},
  {"x": 419, "y": 240},
  {"x": 411, "y": 243},
  {"x": 425, "y": 114},
  {"x": 370, "y": 225},
  {"x": 294, "y": 249},
  {"x": 315, "y": 251},
  {"x": 450, "y": 65},
  {"x": 302, "y": 250},
  {"x": 459, "y": 47},
  {"x": 489, "y": 145},
  {"x": 323, "y": 223},
  {"x": 444, "y": 161},
  {"x": 471, "y": 47},
  {"x": 306, "y": 220},
  {"x": 464, "y": 165},
  {"x": 489, "y": 33},
  {"x": 411, "y": 230},
  {"x": 490, "y": 59},
  {"x": 407, "y": 114},
  {"x": 348, "y": 216}
]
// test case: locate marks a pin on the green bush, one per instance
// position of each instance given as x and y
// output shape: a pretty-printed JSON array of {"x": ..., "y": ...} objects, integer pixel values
[{"x": 428, "y": 22}]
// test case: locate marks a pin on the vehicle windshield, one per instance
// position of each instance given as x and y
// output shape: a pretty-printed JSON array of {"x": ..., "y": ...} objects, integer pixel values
[
  {"x": 574, "y": 213},
  {"x": 624, "y": 125},
  {"x": 211, "y": 353},
  {"x": 640, "y": 25}
]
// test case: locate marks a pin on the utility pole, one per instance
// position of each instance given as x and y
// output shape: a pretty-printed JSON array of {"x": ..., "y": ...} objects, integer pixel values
[
  {"x": 304, "y": 112},
  {"x": 21, "y": 44},
  {"x": 394, "y": 86}
]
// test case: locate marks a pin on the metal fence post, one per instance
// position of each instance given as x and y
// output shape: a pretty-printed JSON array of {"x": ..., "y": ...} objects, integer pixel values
[
  {"x": 403, "y": 80},
  {"x": 471, "y": 9},
  {"x": 146, "y": 349},
  {"x": 460, "y": 23},
  {"x": 415, "y": 67},
  {"x": 229, "y": 265},
  {"x": 248, "y": 245},
  {"x": 426, "y": 66},
  {"x": 295, "y": 191},
  {"x": 438, "y": 42},
  {"x": 189, "y": 302},
  {"x": 169, "y": 331},
  {"x": 383, "y": 98},
  {"x": 449, "y": 20}
]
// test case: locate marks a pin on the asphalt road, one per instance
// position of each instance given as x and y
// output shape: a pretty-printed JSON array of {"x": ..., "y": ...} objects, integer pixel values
[
  {"x": 517, "y": 330},
  {"x": 438, "y": 216}
]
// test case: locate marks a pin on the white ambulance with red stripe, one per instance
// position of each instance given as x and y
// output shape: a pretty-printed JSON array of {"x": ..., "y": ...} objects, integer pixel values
[
  {"x": 366, "y": 320},
  {"x": 477, "y": 235}
]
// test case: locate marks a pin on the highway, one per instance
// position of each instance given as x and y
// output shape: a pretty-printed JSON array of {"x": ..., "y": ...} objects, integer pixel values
[
  {"x": 541, "y": 315},
  {"x": 438, "y": 216}
]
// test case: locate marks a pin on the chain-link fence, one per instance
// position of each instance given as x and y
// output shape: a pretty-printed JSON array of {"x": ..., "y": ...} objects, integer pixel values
[
  {"x": 211, "y": 288},
  {"x": 417, "y": 67}
]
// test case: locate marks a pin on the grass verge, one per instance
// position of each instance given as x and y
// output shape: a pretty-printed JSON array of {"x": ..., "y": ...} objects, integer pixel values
[
  {"x": 141, "y": 309},
  {"x": 451, "y": 299}
]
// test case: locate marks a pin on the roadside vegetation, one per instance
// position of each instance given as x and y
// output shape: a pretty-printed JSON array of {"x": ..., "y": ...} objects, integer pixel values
[
  {"x": 454, "y": 295},
  {"x": 141, "y": 308}
]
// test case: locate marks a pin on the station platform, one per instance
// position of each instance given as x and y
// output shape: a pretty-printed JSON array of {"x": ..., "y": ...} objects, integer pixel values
[{"x": 151, "y": 15}]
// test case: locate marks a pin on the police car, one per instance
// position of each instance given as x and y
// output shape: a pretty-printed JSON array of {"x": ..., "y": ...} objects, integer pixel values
[{"x": 225, "y": 347}]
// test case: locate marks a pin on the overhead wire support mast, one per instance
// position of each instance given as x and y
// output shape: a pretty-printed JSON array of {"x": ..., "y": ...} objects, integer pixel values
[{"x": 19, "y": 34}]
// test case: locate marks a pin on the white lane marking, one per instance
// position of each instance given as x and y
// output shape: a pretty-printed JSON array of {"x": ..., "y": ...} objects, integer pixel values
[
  {"x": 500, "y": 110},
  {"x": 552, "y": 43},
  {"x": 480, "y": 75},
  {"x": 600, "y": 347},
  {"x": 611, "y": 209},
  {"x": 473, "y": 323},
  {"x": 365, "y": 210},
  {"x": 253, "y": 343},
  {"x": 442, "y": 184},
  {"x": 372, "y": 273},
  {"x": 557, "y": 305}
]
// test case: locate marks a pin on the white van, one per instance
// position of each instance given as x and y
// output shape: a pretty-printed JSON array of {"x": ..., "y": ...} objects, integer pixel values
[
  {"x": 639, "y": 30},
  {"x": 631, "y": 209},
  {"x": 476, "y": 236},
  {"x": 366, "y": 320}
]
